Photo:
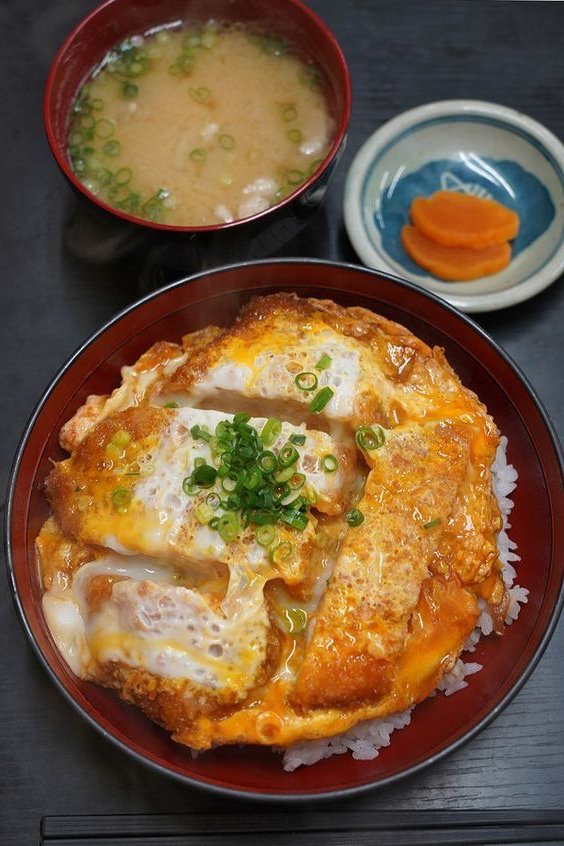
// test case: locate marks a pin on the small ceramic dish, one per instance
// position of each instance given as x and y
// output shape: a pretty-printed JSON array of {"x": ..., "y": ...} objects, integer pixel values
[
  {"x": 477, "y": 148},
  {"x": 440, "y": 724}
]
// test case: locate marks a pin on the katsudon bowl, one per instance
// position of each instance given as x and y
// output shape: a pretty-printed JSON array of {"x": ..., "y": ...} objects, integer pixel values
[
  {"x": 258, "y": 234},
  {"x": 438, "y": 725}
]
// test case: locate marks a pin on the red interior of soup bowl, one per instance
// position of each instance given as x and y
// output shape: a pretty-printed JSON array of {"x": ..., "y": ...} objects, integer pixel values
[
  {"x": 438, "y": 725},
  {"x": 116, "y": 20}
]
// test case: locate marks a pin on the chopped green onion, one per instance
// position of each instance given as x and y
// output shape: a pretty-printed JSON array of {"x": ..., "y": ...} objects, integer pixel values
[
  {"x": 198, "y": 154},
  {"x": 88, "y": 151},
  {"x": 320, "y": 400},
  {"x": 129, "y": 90},
  {"x": 270, "y": 431},
  {"x": 321, "y": 539},
  {"x": 104, "y": 176},
  {"x": 121, "y": 498},
  {"x": 172, "y": 404},
  {"x": 295, "y": 177},
  {"x": 298, "y": 440},
  {"x": 200, "y": 434},
  {"x": 295, "y": 135},
  {"x": 296, "y": 620},
  {"x": 199, "y": 461},
  {"x": 314, "y": 166},
  {"x": 104, "y": 128},
  {"x": 228, "y": 527},
  {"x": 267, "y": 462},
  {"x": 111, "y": 148},
  {"x": 296, "y": 519},
  {"x": 204, "y": 513},
  {"x": 329, "y": 463},
  {"x": 227, "y": 142},
  {"x": 369, "y": 438},
  {"x": 432, "y": 523},
  {"x": 200, "y": 95},
  {"x": 285, "y": 474},
  {"x": 187, "y": 486},
  {"x": 241, "y": 417},
  {"x": 309, "y": 77},
  {"x": 213, "y": 500},
  {"x": 355, "y": 517},
  {"x": 97, "y": 104},
  {"x": 289, "y": 114},
  {"x": 306, "y": 381},
  {"x": 296, "y": 481},
  {"x": 281, "y": 552},
  {"x": 87, "y": 122},
  {"x": 265, "y": 535},
  {"x": 121, "y": 438},
  {"x": 204, "y": 476},
  {"x": 252, "y": 479},
  {"x": 228, "y": 484},
  {"x": 287, "y": 456},
  {"x": 208, "y": 39},
  {"x": 123, "y": 176},
  {"x": 324, "y": 362}
]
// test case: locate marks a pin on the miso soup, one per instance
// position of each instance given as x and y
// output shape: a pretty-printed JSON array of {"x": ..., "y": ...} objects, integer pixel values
[{"x": 199, "y": 125}]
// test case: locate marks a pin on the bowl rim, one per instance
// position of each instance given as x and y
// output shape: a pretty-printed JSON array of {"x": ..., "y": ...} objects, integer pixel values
[
  {"x": 61, "y": 159},
  {"x": 353, "y": 215},
  {"x": 201, "y": 782}
]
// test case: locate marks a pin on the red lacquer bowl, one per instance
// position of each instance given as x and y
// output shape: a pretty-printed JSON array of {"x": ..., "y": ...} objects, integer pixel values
[
  {"x": 115, "y": 20},
  {"x": 439, "y": 725}
]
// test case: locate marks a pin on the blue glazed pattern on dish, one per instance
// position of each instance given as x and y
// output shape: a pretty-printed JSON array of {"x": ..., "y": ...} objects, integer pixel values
[{"x": 504, "y": 181}]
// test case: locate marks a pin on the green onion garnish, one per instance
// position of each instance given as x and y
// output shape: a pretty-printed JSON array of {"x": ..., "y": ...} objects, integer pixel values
[
  {"x": 97, "y": 104},
  {"x": 204, "y": 513},
  {"x": 129, "y": 90},
  {"x": 281, "y": 552},
  {"x": 270, "y": 431},
  {"x": 355, "y": 517},
  {"x": 289, "y": 114},
  {"x": 228, "y": 527},
  {"x": 295, "y": 619},
  {"x": 295, "y": 135},
  {"x": 187, "y": 486},
  {"x": 213, "y": 500},
  {"x": 121, "y": 498},
  {"x": 324, "y": 362},
  {"x": 171, "y": 404},
  {"x": 200, "y": 95},
  {"x": 104, "y": 128},
  {"x": 104, "y": 176},
  {"x": 296, "y": 519},
  {"x": 298, "y": 440},
  {"x": 267, "y": 462},
  {"x": 287, "y": 456},
  {"x": 296, "y": 481},
  {"x": 121, "y": 438},
  {"x": 198, "y": 154},
  {"x": 306, "y": 381},
  {"x": 432, "y": 523},
  {"x": 370, "y": 438},
  {"x": 200, "y": 434},
  {"x": 227, "y": 142},
  {"x": 204, "y": 476},
  {"x": 295, "y": 177},
  {"x": 320, "y": 400},
  {"x": 329, "y": 463},
  {"x": 265, "y": 535},
  {"x": 123, "y": 176},
  {"x": 111, "y": 148}
]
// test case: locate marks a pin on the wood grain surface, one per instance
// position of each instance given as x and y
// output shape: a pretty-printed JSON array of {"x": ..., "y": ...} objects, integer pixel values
[{"x": 401, "y": 54}]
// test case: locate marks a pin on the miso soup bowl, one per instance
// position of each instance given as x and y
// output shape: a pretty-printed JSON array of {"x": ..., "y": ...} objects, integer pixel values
[{"x": 114, "y": 20}]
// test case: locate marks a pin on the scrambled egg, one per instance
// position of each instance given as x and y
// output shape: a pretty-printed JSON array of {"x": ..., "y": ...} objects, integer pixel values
[{"x": 331, "y": 576}]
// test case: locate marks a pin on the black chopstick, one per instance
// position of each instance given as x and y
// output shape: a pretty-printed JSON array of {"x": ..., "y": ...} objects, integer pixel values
[{"x": 313, "y": 828}]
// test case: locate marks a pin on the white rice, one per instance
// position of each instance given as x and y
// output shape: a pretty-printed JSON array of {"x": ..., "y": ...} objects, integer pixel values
[{"x": 366, "y": 739}]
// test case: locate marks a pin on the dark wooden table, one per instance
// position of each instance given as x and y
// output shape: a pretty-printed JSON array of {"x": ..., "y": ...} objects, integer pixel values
[{"x": 401, "y": 54}]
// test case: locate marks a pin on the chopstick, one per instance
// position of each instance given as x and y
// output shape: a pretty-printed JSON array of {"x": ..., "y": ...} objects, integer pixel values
[{"x": 314, "y": 828}]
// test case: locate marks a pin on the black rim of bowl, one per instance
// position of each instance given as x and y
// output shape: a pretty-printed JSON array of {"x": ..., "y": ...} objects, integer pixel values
[{"x": 202, "y": 783}]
